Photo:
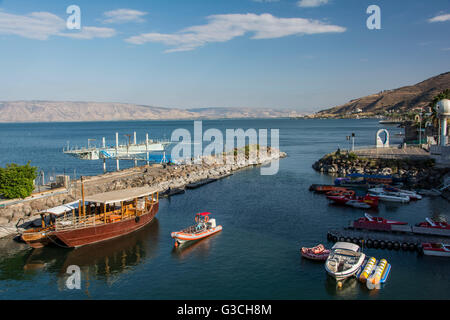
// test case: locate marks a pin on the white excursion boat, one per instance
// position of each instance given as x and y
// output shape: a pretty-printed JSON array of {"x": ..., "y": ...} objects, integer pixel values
[
  {"x": 389, "y": 196},
  {"x": 344, "y": 261},
  {"x": 400, "y": 192}
]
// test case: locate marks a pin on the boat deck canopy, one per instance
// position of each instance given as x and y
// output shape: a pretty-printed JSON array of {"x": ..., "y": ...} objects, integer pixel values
[
  {"x": 121, "y": 195},
  {"x": 346, "y": 246},
  {"x": 59, "y": 210},
  {"x": 204, "y": 214}
]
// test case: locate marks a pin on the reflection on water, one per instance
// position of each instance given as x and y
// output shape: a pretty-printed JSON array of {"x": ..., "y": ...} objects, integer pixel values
[
  {"x": 103, "y": 261},
  {"x": 349, "y": 290},
  {"x": 201, "y": 248}
]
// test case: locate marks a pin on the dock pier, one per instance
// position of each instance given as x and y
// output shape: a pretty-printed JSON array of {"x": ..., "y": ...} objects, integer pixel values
[{"x": 401, "y": 237}]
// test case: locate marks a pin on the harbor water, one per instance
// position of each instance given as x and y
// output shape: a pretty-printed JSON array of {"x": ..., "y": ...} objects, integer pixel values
[{"x": 265, "y": 219}]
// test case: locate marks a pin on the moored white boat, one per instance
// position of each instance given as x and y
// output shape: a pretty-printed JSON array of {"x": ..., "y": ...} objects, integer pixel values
[
  {"x": 395, "y": 191},
  {"x": 344, "y": 261},
  {"x": 388, "y": 196}
]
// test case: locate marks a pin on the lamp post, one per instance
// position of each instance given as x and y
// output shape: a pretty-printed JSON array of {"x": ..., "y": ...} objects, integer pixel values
[{"x": 353, "y": 141}]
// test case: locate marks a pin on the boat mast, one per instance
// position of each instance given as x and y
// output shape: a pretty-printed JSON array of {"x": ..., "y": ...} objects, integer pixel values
[{"x": 82, "y": 198}]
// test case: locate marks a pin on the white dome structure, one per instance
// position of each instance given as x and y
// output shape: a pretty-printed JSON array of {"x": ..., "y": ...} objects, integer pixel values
[{"x": 443, "y": 108}]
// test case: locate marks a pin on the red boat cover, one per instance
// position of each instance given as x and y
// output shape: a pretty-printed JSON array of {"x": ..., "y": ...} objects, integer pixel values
[{"x": 203, "y": 214}]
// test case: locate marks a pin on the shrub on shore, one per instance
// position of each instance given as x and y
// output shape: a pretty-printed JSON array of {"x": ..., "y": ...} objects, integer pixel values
[{"x": 17, "y": 181}]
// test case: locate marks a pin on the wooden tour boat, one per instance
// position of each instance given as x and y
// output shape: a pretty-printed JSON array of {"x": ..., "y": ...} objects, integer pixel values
[{"x": 98, "y": 218}]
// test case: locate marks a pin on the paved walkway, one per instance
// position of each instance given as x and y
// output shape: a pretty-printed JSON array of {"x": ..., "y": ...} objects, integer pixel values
[{"x": 412, "y": 153}]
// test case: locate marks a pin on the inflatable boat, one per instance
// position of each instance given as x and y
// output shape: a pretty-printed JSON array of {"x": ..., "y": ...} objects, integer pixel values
[
  {"x": 317, "y": 253},
  {"x": 203, "y": 228}
]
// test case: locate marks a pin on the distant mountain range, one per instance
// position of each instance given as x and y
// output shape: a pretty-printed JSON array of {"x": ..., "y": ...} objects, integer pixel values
[
  {"x": 397, "y": 100},
  {"x": 64, "y": 111}
]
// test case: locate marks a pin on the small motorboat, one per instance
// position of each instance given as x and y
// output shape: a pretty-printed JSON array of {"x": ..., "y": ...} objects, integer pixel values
[
  {"x": 434, "y": 225},
  {"x": 358, "y": 204},
  {"x": 317, "y": 253},
  {"x": 387, "y": 196},
  {"x": 344, "y": 192},
  {"x": 375, "y": 223},
  {"x": 411, "y": 194},
  {"x": 344, "y": 261},
  {"x": 436, "y": 249},
  {"x": 203, "y": 228},
  {"x": 365, "y": 202},
  {"x": 321, "y": 188},
  {"x": 391, "y": 191}
]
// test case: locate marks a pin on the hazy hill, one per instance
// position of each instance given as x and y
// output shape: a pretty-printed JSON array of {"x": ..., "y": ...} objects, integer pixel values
[
  {"x": 55, "y": 111},
  {"x": 399, "y": 100}
]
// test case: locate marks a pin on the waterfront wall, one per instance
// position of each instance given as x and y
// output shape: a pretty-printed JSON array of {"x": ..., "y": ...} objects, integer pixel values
[
  {"x": 173, "y": 176},
  {"x": 415, "y": 172}
]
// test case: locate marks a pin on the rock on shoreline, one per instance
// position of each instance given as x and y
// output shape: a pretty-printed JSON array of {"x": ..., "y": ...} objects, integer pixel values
[{"x": 415, "y": 173}]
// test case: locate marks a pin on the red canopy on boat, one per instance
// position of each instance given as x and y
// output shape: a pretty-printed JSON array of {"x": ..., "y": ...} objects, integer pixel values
[{"x": 203, "y": 214}]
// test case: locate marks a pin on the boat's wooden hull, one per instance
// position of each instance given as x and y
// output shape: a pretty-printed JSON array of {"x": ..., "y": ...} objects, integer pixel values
[{"x": 94, "y": 234}]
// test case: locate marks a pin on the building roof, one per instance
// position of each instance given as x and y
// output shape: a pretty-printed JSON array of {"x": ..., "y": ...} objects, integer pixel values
[
  {"x": 122, "y": 195},
  {"x": 62, "y": 209},
  {"x": 346, "y": 246}
]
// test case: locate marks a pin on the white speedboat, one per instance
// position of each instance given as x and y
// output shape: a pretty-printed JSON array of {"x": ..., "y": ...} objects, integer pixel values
[
  {"x": 395, "y": 191},
  {"x": 388, "y": 196},
  {"x": 344, "y": 261}
]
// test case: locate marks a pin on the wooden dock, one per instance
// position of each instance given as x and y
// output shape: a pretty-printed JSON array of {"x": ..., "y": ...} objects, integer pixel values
[{"x": 401, "y": 237}]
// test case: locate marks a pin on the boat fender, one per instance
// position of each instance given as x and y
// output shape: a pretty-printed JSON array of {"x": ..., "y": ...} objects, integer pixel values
[
  {"x": 329, "y": 236},
  {"x": 137, "y": 219},
  {"x": 375, "y": 244},
  {"x": 335, "y": 239},
  {"x": 348, "y": 240},
  {"x": 382, "y": 244},
  {"x": 404, "y": 246},
  {"x": 389, "y": 245},
  {"x": 412, "y": 246},
  {"x": 341, "y": 239},
  {"x": 396, "y": 245}
]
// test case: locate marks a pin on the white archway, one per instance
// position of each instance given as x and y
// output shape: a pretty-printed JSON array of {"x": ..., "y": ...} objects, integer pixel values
[{"x": 380, "y": 143}]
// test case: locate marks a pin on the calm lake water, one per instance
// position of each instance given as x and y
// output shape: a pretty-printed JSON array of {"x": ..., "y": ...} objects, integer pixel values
[{"x": 265, "y": 219}]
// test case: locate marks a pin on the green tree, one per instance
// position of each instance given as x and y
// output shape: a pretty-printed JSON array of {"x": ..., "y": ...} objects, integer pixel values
[{"x": 17, "y": 181}]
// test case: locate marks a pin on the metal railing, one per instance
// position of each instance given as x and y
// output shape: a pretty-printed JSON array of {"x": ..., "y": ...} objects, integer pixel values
[{"x": 71, "y": 222}]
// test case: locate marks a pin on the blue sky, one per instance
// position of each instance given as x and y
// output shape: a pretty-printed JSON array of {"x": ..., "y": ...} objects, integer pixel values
[{"x": 287, "y": 54}]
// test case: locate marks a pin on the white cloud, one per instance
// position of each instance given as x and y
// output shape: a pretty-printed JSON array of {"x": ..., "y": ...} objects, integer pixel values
[
  {"x": 221, "y": 28},
  {"x": 123, "y": 16},
  {"x": 42, "y": 25},
  {"x": 36, "y": 25},
  {"x": 440, "y": 18},
  {"x": 311, "y": 3}
]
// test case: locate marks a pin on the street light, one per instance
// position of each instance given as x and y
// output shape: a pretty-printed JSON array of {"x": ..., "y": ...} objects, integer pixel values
[{"x": 353, "y": 141}]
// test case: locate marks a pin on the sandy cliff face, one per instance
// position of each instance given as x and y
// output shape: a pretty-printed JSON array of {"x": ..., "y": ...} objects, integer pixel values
[
  {"x": 52, "y": 111},
  {"x": 401, "y": 99}
]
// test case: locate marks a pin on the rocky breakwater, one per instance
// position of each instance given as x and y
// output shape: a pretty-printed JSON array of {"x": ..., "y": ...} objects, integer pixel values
[
  {"x": 414, "y": 173},
  {"x": 160, "y": 176}
]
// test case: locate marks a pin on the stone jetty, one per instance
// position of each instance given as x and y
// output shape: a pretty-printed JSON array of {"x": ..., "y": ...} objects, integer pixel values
[
  {"x": 160, "y": 176},
  {"x": 416, "y": 172}
]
